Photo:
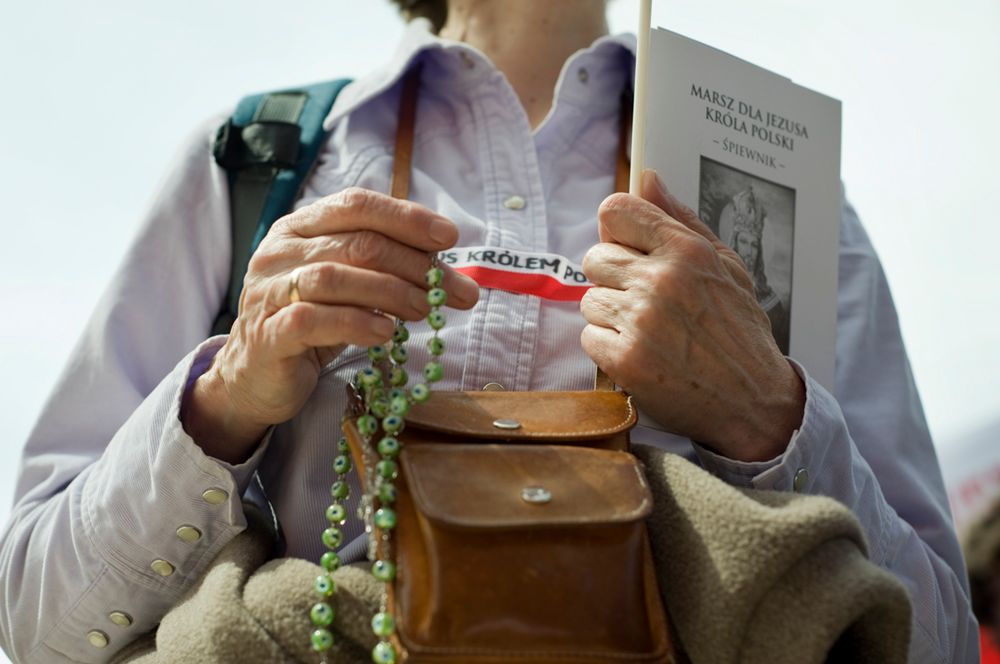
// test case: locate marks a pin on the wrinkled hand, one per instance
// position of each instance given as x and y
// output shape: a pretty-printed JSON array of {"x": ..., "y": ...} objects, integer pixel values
[
  {"x": 673, "y": 319},
  {"x": 356, "y": 252}
]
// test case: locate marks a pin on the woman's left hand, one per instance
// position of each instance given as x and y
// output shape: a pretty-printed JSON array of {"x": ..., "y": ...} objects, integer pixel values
[{"x": 674, "y": 321}]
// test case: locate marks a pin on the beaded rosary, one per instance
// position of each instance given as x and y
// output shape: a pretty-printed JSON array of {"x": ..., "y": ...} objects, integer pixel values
[{"x": 387, "y": 409}]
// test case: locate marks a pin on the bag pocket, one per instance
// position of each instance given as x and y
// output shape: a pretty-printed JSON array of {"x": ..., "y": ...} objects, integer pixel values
[{"x": 526, "y": 553}]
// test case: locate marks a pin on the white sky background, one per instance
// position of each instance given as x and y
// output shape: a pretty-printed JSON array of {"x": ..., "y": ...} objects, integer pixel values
[{"x": 97, "y": 96}]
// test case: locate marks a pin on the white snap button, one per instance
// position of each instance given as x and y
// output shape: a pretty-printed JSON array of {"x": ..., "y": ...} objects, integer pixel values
[
  {"x": 97, "y": 639},
  {"x": 215, "y": 496},
  {"x": 800, "y": 481},
  {"x": 162, "y": 567},
  {"x": 189, "y": 534},
  {"x": 514, "y": 203},
  {"x": 582, "y": 74},
  {"x": 120, "y": 618},
  {"x": 493, "y": 387}
]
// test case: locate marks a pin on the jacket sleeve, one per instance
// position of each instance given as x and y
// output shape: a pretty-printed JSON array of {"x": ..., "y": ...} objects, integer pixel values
[
  {"x": 868, "y": 446},
  {"x": 117, "y": 511}
]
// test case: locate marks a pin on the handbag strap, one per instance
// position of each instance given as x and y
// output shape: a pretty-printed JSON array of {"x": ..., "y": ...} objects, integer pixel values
[{"x": 403, "y": 160}]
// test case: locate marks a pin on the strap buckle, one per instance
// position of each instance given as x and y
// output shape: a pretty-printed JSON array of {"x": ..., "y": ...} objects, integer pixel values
[{"x": 269, "y": 143}]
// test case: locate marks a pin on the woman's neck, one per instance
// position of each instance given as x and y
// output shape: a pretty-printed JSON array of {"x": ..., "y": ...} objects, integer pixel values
[{"x": 528, "y": 40}]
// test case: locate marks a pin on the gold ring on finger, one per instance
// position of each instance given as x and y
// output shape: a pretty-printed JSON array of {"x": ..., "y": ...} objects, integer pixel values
[{"x": 293, "y": 286}]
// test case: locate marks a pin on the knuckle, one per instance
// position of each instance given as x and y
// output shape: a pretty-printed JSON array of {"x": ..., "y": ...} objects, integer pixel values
[
  {"x": 300, "y": 318},
  {"x": 354, "y": 199},
  {"x": 614, "y": 204},
  {"x": 365, "y": 249}
]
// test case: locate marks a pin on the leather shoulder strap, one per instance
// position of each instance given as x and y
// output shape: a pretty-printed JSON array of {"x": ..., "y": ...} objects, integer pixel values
[{"x": 267, "y": 147}]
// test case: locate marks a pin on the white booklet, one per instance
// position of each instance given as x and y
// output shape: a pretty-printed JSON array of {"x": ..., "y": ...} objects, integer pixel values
[{"x": 758, "y": 158}]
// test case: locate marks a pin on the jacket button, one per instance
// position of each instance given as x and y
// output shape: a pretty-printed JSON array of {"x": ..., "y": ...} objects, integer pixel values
[
  {"x": 800, "y": 481},
  {"x": 162, "y": 567},
  {"x": 120, "y": 618},
  {"x": 97, "y": 638},
  {"x": 189, "y": 534},
  {"x": 215, "y": 496}
]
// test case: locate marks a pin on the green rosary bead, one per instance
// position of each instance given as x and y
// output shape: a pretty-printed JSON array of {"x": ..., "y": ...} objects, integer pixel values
[
  {"x": 435, "y": 346},
  {"x": 433, "y": 371},
  {"x": 398, "y": 377},
  {"x": 420, "y": 393},
  {"x": 322, "y": 640},
  {"x": 332, "y": 537},
  {"x": 324, "y": 586},
  {"x": 396, "y": 392},
  {"x": 330, "y": 561},
  {"x": 340, "y": 489},
  {"x": 399, "y": 406},
  {"x": 376, "y": 353},
  {"x": 380, "y": 407},
  {"x": 393, "y": 423},
  {"x": 387, "y": 469},
  {"x": 383, "y": 624},
  {"x": 436, "y": 297},
  {"x": 343, "y": 446},
  {"x": 384, "y": 653},
  {"x": 367, "y": 425},
  {"x": 434, "y": 277},
  {"x": 384, "y": 570},
  {"x": 342, "y": 464},
  {"x": 436, "y": 320},
  {"x": 369, "y": 376},
  {"x": 389, "y": 447},
  {"x": 385, "y": 518},
  {"x": 399, "y": 354},
  {"x": 387, "y": 493},
  {"x": 400, "y": 335},
  {"x": 336, "y": 513},
  {"x": 321, "y": 614}
]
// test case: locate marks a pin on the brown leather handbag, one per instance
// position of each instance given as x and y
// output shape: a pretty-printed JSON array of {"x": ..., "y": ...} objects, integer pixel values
[{"x": 521, "y": 534}]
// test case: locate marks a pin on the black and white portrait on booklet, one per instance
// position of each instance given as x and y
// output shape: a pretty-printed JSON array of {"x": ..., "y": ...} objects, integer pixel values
[{"x": 756, "y": 218}]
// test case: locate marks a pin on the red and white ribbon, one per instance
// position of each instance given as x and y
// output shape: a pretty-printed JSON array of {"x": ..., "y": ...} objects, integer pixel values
[{"x": 548, "y": 276}]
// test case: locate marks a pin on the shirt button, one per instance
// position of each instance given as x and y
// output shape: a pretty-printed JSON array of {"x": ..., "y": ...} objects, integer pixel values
[
  {"x": 189, "y": 534},
  {"x": 215, "y": 496},
  {"x": 514, "y": 203},
  {"x": 801, "y": 478},
  {"x": 582, "y": 74},
  {"x": 162, "y": 567},
  {"x": 493, "y": 387},
  {"x": 120, "y": 618},
  {"x": 97, "y": 638}
]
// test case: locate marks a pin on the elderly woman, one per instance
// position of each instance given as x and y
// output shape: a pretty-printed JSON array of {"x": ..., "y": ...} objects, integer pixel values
[{"x": 131, "y": 481}]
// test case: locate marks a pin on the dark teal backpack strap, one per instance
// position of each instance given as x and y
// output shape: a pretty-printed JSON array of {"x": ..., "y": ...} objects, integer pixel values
[{"x": 267, "y": 147}]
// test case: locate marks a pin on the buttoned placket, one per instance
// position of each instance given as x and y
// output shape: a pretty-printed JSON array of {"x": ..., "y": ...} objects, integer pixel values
[{"x": 515, "y": 218}]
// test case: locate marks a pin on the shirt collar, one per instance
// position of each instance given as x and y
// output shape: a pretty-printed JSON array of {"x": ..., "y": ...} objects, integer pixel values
[{"x": 593, "y": 77}]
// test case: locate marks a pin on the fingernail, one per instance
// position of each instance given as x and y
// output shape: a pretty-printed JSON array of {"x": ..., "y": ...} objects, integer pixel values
[
  {"x": 467, "y": 287},
  {"x": 659, "y": 183},
  {"x": 441, "y": 230}
]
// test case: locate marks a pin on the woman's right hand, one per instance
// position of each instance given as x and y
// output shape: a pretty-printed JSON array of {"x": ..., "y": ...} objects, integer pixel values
[{"x": 355, "y": 252}]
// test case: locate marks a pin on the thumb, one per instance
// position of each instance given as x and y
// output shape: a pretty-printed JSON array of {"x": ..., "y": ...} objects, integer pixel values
[{"x": 652, "y": 189}]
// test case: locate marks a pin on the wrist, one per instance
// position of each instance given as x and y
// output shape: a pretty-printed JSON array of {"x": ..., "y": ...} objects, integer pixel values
[
  {"x": 211, "y": 418},
  {"x": 765, "y": 429}
]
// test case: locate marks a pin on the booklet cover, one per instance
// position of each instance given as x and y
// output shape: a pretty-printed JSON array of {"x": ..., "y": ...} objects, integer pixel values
[{"x": 758, "y": 158}]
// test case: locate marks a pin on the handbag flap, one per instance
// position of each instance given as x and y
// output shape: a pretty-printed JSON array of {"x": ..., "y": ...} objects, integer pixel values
[
  {"x": 494, "y": 486},
  {"x": 551, "y": 416}
]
